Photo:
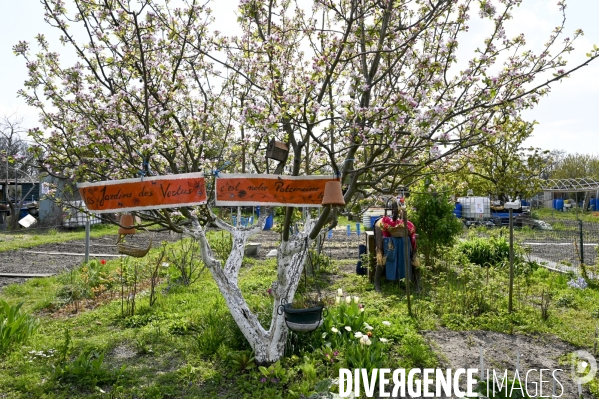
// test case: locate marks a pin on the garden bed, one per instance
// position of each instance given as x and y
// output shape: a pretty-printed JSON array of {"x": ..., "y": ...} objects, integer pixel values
[{"x": 26, "y": 261}]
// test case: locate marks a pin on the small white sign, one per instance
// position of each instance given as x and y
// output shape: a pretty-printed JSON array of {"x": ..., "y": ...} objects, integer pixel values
[
  {"x": 45, "y": 188},
  {"x": 27, "y": 221}
]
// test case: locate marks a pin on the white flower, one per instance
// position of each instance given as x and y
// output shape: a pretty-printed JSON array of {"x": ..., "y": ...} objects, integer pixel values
[
  {"x": 333, "y": 329},
  {"x": 339, "y": 292},
  {"x": 358, "y": 335},
  {"x": 356, "y": 299},
  {"x": 383, "y": 340},
  {"x": 348, "y": 299},
  {"x": 337, "y": 300},
  {"x": 347, "y": 328},
  {"x": 386, "y": 323},
  {"x": 368, "y": 327},
  {"x": 165, "y": 264},
  {"x": 361, "y": 310},
  {"x": 365, "y": 340}
]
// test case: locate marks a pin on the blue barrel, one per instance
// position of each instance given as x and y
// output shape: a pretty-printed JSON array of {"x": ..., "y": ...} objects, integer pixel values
[
  {"x": 593, "y": 204},
  {"x": 559, "y": 204},
  {"x": 257, "y": 211},
  {"x": 269, "y": 222},
  {"x": 24, "y": 212},
  {"x": 458, "y": 210},
  {"x": 553, "y": 204}
]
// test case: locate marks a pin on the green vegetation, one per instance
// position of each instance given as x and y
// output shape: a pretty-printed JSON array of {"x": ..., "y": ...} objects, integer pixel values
[
  {"x": 15, "y": 326},
  {"x": 437, "y": 226},
  {"x": 546, "y": 213},
  {"x": 26, "y": 239},
  {"x": 186, "y": 344}
]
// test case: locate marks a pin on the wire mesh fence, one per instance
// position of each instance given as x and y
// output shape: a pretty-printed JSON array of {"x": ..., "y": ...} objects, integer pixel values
[
  {"x": 558, "y": 244},
  {"x": 563, "y": 245}
]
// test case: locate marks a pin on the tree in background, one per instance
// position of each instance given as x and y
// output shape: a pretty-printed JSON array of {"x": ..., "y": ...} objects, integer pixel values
[
  {"x": 575, "y": 166},
  {"x": 501, "y": 167},
  {"x": 369, "y": 90}
]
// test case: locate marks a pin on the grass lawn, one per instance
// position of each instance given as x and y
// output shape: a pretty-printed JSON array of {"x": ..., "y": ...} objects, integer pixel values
[
  {"x": 187, "y": 346},
  {"x": 26, "y": 239}
]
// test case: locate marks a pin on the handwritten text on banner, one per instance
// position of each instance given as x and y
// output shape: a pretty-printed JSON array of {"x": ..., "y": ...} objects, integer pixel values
[
  {"x": 155, "y": 192},
  {"x": 254, "y": 189}
]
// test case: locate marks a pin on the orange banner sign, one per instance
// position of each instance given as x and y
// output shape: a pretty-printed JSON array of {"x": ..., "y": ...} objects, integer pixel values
[
  {"x": 155, "y": 192},
  {"x": 250, "y": 189}
]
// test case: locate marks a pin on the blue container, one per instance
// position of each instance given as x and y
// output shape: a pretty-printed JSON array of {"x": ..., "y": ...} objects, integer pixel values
[
  {"x": 373, "y": 220},
  {"x": 24, "y": 212},
  {"x": 553, "y": 204},
  {"x": 559, "y": 204},
  {"x": 525, "y": 203},
  {"x": 269, "y": 223},
  {"x": 458, "y": 210},
  {"x": 257, "y": 211},
  {"x": 593, "y": 204}
]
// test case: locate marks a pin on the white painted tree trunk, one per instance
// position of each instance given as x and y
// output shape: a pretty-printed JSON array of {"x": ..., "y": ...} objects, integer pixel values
[{"x": 268, "y": 345}]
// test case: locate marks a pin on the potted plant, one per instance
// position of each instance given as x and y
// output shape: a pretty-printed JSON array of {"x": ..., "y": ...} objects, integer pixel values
[{"x": 304, "y": 314}]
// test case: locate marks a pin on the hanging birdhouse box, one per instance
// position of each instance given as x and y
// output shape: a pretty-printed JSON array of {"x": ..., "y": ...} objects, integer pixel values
[{"x": 277, "y": 150}]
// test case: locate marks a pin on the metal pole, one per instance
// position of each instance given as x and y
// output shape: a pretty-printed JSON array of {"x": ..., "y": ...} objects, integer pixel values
[
  {"x": 511, "y": 260},
  {"x": 581, "y": 242},
  {"x": 87, "y": 228}
]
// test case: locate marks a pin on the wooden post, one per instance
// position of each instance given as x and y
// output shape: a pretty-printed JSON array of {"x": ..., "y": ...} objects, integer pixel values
[
  {"x": 406, "y": 250},
  {"x": 87, "y": 234},
  {"x": 511, "y": 288}
]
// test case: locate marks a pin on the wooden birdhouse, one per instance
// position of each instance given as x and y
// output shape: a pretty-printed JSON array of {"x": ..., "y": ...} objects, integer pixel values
[{"x": 277, "y": 150}]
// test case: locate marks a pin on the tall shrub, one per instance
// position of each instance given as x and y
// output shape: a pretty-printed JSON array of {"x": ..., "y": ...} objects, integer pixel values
[{"x": 435, "y": 223}]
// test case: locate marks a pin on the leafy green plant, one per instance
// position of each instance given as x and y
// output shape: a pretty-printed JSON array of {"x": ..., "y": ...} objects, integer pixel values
[
  {"x": 363, "y": 355},
  {"x": 566, "y": 300},
  {"x": 86, "y": 370},
  {"x": 241, "y": 361},
  {"x": 435, "y": 223},
  {"x": 221, "y": 245},
  {"x": 210, "y": 334},
  {"x": 274, "y": 374},
  {"x": 485, "y": 251},
  {"x": 15, "y": 326}
]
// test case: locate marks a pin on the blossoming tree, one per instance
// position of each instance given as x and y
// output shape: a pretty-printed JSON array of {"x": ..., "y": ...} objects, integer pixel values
[{"x": 369, "y": 89}]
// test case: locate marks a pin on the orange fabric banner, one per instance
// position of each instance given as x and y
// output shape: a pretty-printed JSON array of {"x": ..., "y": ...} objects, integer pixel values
[
  {"x": 251, "y": 189},
  {"x": 155, "y": 192}
]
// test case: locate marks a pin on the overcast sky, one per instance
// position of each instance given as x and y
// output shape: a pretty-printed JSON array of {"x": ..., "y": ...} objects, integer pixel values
[{"x": 567, "y": 118}]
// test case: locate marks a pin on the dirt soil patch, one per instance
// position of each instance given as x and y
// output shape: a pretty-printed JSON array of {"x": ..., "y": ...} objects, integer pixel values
[
  {"x": 461, "y": 349},
  {"x": 25, "y": 261},
  {"x": 339, "y": 247}
]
